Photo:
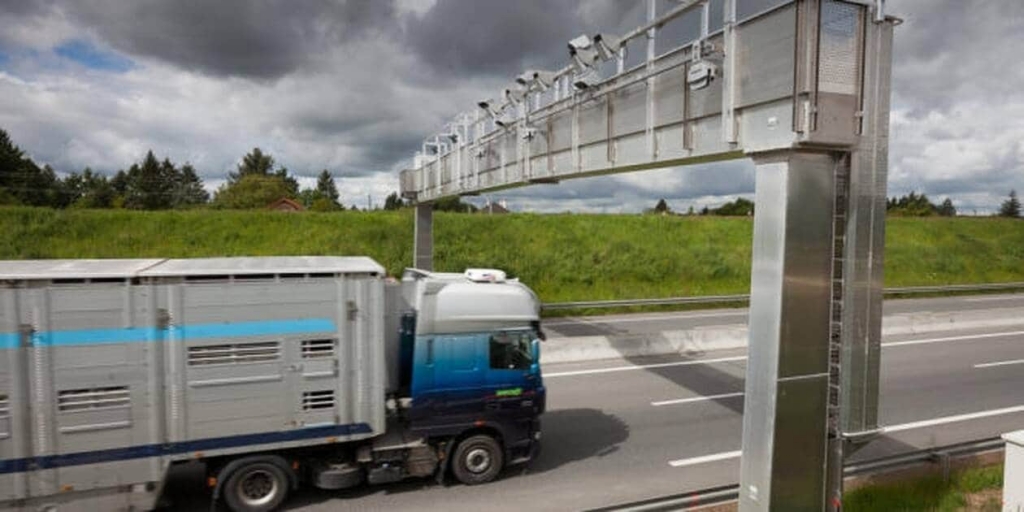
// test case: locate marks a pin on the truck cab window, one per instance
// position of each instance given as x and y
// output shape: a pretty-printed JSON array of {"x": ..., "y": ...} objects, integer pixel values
[{"x": 510, "y": 350}]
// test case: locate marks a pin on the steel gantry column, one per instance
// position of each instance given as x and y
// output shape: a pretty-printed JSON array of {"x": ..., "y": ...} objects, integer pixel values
[
  {"x": 816, "y": 286},
  {"x": 784, "y": 416}
]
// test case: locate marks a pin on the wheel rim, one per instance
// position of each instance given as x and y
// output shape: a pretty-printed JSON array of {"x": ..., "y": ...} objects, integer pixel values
[
  {"x": 478, "y": 460},
  {"x": 256, "y": 488}
]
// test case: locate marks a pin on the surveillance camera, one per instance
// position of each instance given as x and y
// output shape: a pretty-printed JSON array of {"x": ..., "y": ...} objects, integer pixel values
[
  {"x": 505, "y": 120},
  {"x": 607, "y": 46},
  {"x": 586, "y": 80},
  {"x": 515, "y": 95},
  {"x": 489, "y": 107},
  {"x": 580, "y": 43},
  {"x": 582, "y": 52},
  {"x": 701, "y": 74},
  {"x": 537, "y": 80}
]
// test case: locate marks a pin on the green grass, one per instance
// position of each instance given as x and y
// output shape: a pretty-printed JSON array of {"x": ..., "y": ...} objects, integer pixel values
[
  {"x": 926, "y": 494},
  {"x": 564, "y": 257}
]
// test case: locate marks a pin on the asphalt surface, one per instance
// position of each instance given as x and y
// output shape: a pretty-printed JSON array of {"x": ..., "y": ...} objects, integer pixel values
[{"x": 630, "y": 429}]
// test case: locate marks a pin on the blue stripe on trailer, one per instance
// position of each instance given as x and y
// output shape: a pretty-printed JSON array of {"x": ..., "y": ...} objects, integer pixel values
[
  {"x": 198, "y": 331},
  {"x": 9, "y": 339},
  {"x": 156, "y": 450},
  {"x": 262, "y": 328}
]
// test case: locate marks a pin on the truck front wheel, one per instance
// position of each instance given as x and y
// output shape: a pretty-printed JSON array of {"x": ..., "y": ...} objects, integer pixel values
[
  {"x": 256, "y": 486},
  {"x": 478, "y": 459}
]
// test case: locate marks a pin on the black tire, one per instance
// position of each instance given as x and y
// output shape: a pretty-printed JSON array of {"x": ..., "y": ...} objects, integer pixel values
[
  {"x": 478, "y": 460},
  {"x": 258, "y": 486}
]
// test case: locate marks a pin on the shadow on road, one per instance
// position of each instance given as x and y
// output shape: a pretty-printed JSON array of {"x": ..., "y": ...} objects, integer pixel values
[
  {"x": 570, "y": 435},
  {"x": 700, "y": 379}
]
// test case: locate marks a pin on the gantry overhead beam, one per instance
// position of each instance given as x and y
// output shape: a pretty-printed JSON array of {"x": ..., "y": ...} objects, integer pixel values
[{"x": 802, "y": 88}]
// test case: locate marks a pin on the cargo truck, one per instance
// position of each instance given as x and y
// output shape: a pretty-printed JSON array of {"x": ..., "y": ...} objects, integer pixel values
[{"x": 273, "y": 373}]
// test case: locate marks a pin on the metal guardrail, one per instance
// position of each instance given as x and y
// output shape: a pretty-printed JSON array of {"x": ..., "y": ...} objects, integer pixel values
[
  {"x": 723, "y": 299},
  {"x": 730, "y": 493}
]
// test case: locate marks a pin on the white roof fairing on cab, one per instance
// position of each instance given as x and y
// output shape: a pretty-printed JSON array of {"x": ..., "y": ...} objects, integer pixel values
[
  {"x": 449, "y": 303},
  {"x": 473, "y": 302}
]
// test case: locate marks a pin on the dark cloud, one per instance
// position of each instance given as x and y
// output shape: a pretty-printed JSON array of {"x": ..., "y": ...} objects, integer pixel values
[
  {"x": 355, "y": 85},
  {"x": 948, "y": 51},
  {"x": 506, "y": 37},
  {"x": 263, "y": 40}
]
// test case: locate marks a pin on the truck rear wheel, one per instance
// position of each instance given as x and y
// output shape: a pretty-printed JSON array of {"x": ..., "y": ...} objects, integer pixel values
[
  {"x": 256, "y": 486},
  {"x": 478, "y": 459}
]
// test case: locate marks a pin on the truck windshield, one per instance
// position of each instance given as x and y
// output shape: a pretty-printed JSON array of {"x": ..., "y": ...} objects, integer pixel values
[{"x": 510, "y": 350}]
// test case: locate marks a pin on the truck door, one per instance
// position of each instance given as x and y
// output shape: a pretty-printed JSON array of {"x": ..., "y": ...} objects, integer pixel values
[{"x": 509, "y": 380}]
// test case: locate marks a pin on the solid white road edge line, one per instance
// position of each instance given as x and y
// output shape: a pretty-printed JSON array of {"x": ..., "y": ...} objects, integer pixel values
[
  {"x": 990, "y": 299},
  {"x": 644, "y": 319},
  {"x": 742, "y": 358},
  {"x": 644, "y": 367},
  {"x": 953, "y": 419},
  {"x": 695, "y": 399},
  {"x": 714, "y": 457},
  {"x": 999, "y": 363},
  {"x": 951, "y": 338}
]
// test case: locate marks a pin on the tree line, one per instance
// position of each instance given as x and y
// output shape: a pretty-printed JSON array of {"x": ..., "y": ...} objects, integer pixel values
[
  {"x": 739, "y": 208},
  {"x": 909, "y": 205},
  {"x": 154, "y": 184}
]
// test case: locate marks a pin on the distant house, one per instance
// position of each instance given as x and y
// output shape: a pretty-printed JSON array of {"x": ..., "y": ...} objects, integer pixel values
[
  {"x": 492, "y": 207},
  {"x": 285, "y": 205}
]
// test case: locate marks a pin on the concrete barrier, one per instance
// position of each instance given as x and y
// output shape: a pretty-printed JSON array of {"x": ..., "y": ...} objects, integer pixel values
[{"x": 700, "y": 340}]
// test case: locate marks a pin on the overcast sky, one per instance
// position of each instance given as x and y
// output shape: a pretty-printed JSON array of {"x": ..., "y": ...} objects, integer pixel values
[{"x": 354, "y": 86}]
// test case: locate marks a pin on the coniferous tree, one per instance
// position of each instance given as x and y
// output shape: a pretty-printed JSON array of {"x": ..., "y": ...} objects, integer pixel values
[
  {"x": 150, "y": 184},
  {"x": 24, "y": 182},
  {"x": 256, "y": 184},
  {"x": 946, "y": 209},
  {"x": 1010, "y": 207},
  {"x": 255, "y": 162},
  {"x": 393, "y": 202},
  {"x": 326, "y": 187},
  {"x": 189, "y": 189}
]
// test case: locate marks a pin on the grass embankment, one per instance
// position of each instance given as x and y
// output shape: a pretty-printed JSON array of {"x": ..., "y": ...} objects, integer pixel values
[
  {"x": 563, "y": 257},
  {"x": 975, "y": 489}
]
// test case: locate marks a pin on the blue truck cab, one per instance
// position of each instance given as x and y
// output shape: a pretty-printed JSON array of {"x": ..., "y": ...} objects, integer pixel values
[{"x": 472, "y": 353}]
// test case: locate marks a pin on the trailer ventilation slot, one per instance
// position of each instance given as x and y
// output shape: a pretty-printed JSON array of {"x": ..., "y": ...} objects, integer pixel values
[
  {"x": 238, "y": 353},
  {"x": 5, "y": 417},
  {"x": 91, "y": 399},
  {"x": 317, "y": 400},
  {"x": 313, "y": 349}
]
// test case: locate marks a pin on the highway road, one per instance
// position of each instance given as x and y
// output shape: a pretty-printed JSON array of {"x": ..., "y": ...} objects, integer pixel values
[{"x": 628, "y": 429}]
